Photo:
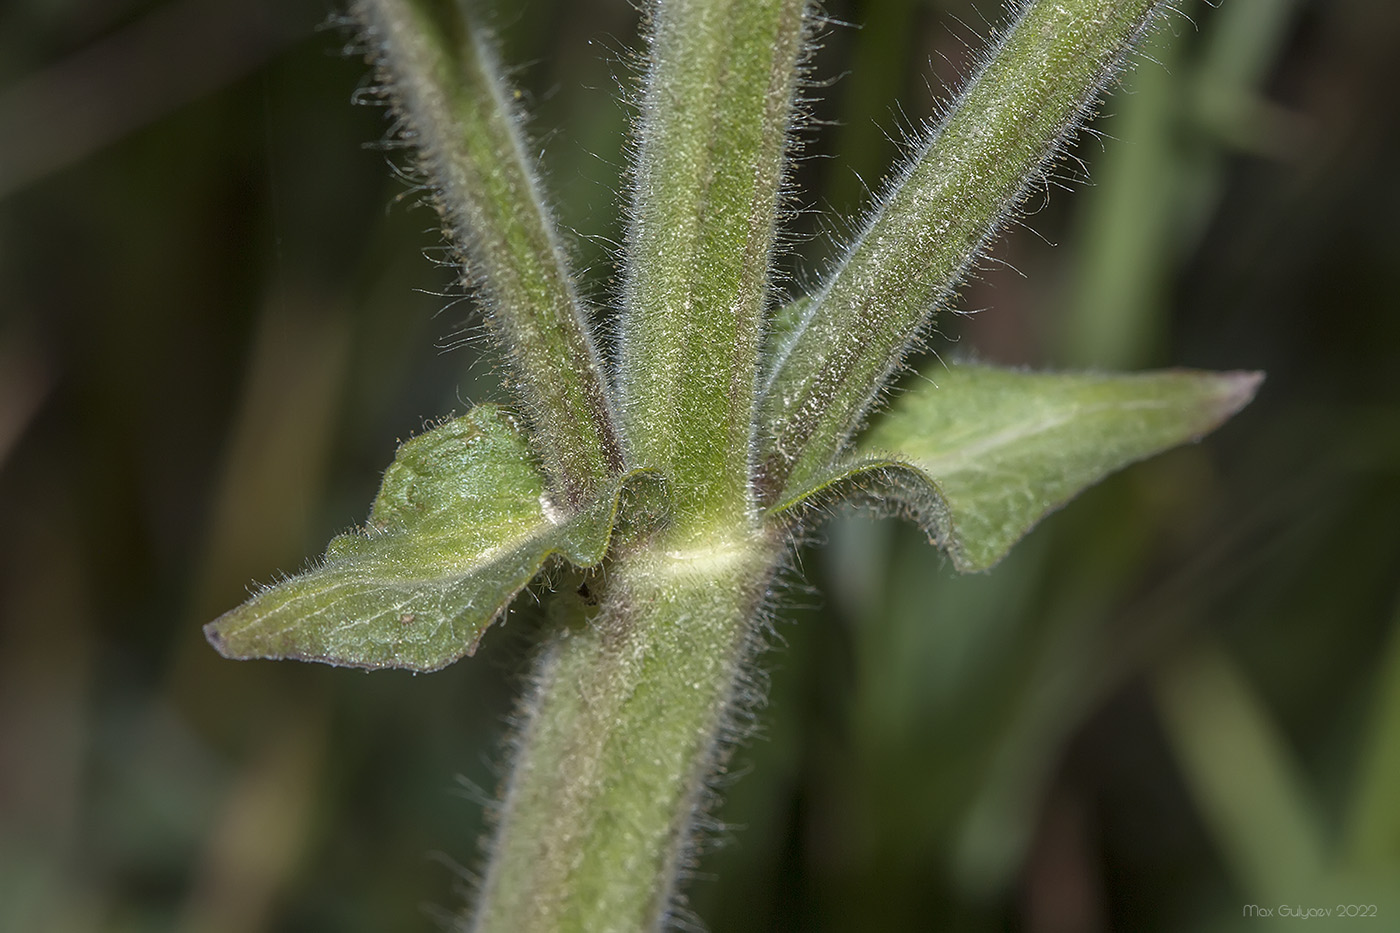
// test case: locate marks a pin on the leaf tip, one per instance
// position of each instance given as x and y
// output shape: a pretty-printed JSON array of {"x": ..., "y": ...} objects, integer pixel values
[
  {"x": 1223, "y": 395},
  {"x": 230, "y": 635},
  {"x": 214, "y": 634},
  {"x": 1238, "y": 389}
]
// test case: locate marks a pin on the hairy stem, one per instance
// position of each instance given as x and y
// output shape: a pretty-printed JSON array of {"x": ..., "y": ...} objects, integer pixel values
[
  {"x": 459, "y": 116},
  {"x": 624, "y": 730},
  {"x": 716, "y": 110},
  {"x": 1014, "y": 116}
]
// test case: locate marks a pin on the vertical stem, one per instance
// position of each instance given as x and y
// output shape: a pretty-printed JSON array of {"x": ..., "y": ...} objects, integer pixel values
[
  {"x": 623, "y": 732},
  {"x": 716, "y": 110}
]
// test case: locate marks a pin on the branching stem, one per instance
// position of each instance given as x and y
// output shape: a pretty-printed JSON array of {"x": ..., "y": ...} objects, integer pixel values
[{"x": 682, "y": 507}]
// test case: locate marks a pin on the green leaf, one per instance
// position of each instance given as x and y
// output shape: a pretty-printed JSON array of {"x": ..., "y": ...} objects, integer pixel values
[
  {"x": 461, "y": 524},
  {"x": 978, "y": 455}
]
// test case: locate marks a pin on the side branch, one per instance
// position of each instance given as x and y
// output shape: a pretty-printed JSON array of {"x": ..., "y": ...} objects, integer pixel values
[
  {"x": 457, "y": 112},
  {"x": 937, "y": 216}
]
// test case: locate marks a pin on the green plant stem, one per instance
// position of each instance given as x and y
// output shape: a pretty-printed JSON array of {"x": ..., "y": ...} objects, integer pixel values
[
  {"x": 715, "y": 114},
  {"x": 623, "y": 731},
  {"x": 938, "y": 216},
  {"x": 461, "y": 119}
]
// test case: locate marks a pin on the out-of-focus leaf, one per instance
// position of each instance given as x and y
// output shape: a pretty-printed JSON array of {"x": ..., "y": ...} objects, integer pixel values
[
  {"x": 461, "y": 524},
  {"x": 1374, "y": 828},
  {"x": 977, "y": 455},
  {"x": 1247, "y": 784}
]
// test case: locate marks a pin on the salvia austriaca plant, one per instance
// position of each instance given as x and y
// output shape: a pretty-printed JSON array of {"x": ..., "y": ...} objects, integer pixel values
[{"x": 677, "y": 479}]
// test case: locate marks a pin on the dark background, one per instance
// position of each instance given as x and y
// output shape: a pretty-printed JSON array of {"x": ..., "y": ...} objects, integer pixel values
[{"x": 1177, "y": 698}]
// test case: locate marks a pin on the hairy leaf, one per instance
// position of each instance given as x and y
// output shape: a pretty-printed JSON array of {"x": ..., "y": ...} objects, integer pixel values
[
  {"x": 461, "y": 524},
  {"x": 977, "y": 455}
]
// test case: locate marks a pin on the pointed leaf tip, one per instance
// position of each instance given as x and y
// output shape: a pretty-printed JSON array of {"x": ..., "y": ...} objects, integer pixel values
[
  {"x": 978, "y": 455},
  {"x": 461, "y": 524},
  {"x": 1236, "y": 390}
]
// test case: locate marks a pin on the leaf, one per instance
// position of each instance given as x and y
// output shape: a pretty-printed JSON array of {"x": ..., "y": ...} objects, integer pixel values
[
  {"x": 1251, "y": 792},
  {"x": 978, "y": 455},
  {"x": 1373, "y": 827},
  {"x": 461, "y": 524}
]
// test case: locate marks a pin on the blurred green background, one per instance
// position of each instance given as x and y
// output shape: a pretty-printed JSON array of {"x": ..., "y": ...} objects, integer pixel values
[{"x": 219, "y": 310}]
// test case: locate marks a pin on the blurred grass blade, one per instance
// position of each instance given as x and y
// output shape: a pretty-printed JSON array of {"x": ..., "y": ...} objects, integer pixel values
[
  {"x": 715, "y": 116},
  {"x": 1131, "y": 224},
  {"x": 171, "y": 54},
  {"x": 461, "y": 524},
  {"x": 982, "y": 455},
  {"x": 1374, "y": 826},
  {"x": 460, "y": 117},
  {"x": 1244, "y": 780},
  {"x": 937, "y": 216},
  {"x": 262, "y": 829}
]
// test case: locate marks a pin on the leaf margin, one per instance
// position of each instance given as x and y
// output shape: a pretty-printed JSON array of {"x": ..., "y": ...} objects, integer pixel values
[
  {"x": 892, "y": 483},
  {"x": 581, "y": 539}
]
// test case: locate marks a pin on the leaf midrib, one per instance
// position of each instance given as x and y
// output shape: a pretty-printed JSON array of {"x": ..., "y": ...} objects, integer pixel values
[{"x": 966, "y": 457}]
